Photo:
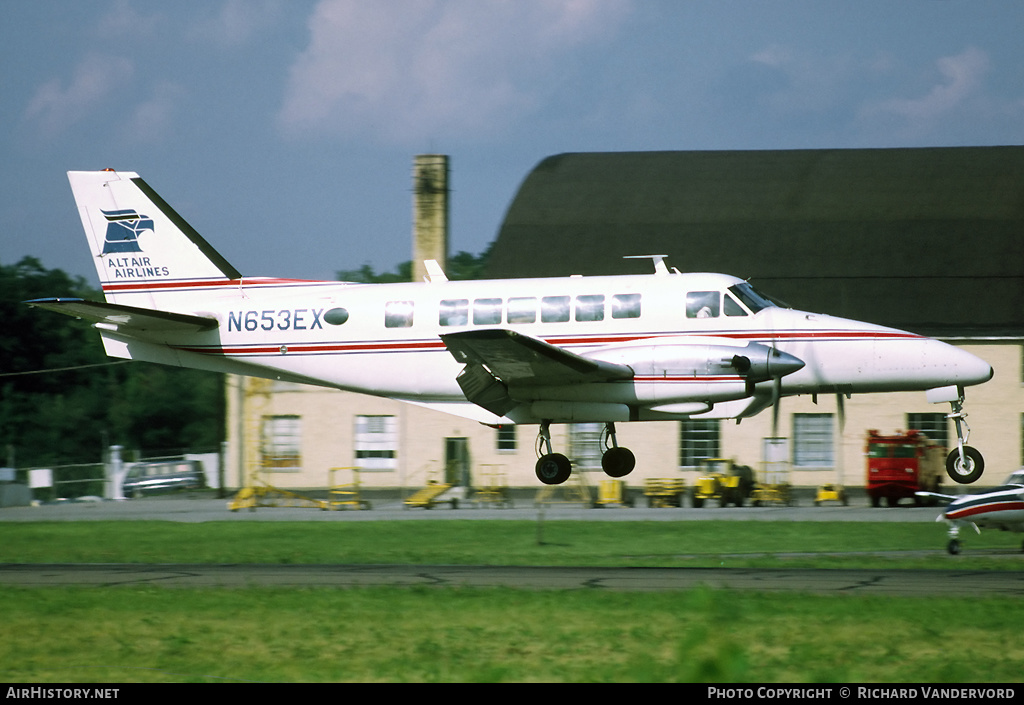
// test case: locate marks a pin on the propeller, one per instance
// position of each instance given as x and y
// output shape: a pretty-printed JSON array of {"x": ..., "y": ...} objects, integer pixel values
[{"x": 780, "y": 364}]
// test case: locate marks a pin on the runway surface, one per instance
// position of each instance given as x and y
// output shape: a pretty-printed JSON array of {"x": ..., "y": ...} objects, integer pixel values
[{"x": 859, "y": 582}]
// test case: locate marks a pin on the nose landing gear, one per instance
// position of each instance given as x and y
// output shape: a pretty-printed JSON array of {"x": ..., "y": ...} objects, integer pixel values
[
  {"x": 964, "y": 464},
  {"x": 554, "y": 468}
]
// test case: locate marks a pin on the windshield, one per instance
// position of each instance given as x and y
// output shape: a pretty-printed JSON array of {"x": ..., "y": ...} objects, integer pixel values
[{"x": 752, "y": 298}]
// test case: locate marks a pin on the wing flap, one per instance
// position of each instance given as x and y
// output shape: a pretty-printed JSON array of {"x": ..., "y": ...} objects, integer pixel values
[
  {"x": 518, "y": 359},
  {"x": 128, "y": 318}
]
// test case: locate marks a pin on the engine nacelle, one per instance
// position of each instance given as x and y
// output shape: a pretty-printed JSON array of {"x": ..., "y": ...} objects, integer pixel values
[{"x": 754, "y": 362}]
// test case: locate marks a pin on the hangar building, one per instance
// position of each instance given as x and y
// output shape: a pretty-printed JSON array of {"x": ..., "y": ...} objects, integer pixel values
[{"x": 927, "y": 240}]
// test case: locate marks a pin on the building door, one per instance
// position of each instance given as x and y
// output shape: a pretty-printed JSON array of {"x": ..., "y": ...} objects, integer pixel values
[{"x": 456, "y": 462}]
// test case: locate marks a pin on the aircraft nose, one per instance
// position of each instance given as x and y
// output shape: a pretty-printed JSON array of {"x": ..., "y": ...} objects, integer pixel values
[{"x": 971, "y": 369}]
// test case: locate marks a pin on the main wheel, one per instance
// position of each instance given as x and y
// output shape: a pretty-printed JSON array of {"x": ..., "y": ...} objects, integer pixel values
[
  {"x": 553, "y": 469},
  {"x": 953, "y": 547},
  {"x": 965, "y": 472},
  {"x": 618, "y": 462}
]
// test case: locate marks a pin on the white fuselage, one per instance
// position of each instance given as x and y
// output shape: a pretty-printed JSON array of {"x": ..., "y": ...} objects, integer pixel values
[{"x": 385, "y": 339}]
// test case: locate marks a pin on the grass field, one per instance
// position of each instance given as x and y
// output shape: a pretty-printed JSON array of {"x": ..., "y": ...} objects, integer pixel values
[
  {"x": 148, "y": 634},
  {"x": 635, "y": 543}
]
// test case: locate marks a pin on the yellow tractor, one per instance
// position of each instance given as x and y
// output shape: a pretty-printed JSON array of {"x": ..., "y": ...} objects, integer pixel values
[{"x": 721, "y": 479}]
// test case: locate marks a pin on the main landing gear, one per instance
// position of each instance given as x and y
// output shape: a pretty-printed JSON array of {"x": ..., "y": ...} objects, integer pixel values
[
  {"x": 964, "y": 464},
  {"x": 555, "y": 468}
]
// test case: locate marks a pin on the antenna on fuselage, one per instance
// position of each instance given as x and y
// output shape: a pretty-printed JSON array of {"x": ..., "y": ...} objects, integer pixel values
[{"x": 660, "y": 269}]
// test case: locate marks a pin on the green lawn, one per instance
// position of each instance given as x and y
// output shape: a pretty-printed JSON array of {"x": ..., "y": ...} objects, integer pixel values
[
  {"x": 633, "y": 543},
  {"x": 152, "y": 634}
]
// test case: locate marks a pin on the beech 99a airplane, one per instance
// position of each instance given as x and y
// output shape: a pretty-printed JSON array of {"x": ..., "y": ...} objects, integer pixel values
[{"x": 599, "y": 349}]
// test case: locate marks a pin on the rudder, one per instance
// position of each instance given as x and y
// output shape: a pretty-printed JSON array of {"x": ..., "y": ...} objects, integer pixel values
[{"x": 142, "y": 248}]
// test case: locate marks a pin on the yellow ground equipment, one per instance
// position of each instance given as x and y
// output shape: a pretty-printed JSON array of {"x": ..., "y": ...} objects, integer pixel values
[
  {"x": 831, "y": 493},
  {"x": 346, "y": 496},
  {"x": 255, "y": 496},
  {"x": 494, "y": 489},
  {"x": 430, "y": 495},
  {"x": 774, "y": 487},
  {"x": 664, "y": 491},
  {"x": 574, "y": 491},
  {"x": 723, "y": 480},
  {"x": 612, "y": 492}
]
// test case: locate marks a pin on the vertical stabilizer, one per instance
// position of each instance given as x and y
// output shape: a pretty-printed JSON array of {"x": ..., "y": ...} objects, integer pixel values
[{"x": 144, "y": 251}]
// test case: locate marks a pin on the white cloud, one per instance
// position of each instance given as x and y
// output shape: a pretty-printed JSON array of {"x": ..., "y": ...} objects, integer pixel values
[
  {"x": 153, "y": 119},
  {"x": 404, "y": 72},
  {"x": 961, "y": 79},
  {"x": 55, "y": 107},
  {"x": 239, "y": 21}
]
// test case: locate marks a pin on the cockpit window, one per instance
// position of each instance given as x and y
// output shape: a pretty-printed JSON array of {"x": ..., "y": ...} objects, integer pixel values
[
  {"x": 732, "y": 308},
  {"x": 751, "y": 297}
]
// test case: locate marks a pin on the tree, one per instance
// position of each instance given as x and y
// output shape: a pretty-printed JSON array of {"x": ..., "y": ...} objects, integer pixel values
[
  {"x": 461, "y": 266},
  {"x": 62, "y": 400}
]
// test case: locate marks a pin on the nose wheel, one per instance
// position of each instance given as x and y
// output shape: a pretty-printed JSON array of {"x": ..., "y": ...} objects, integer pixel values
[{"x": 964, "y": 464}]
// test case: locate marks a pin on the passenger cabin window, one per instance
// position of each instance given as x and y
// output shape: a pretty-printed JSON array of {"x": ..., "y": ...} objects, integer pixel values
[
  {"x": 626, "y": 306},
  {"x": 486, "y": 312},
  {"x": 554, "y": 309},
  {"x": 398, "y": 314},
  {"x": 454, "y": 312},
  {"x": 702, "y": 304},
  {"x": 522, "y": 310},
  {"x": 590, "y": 308}
]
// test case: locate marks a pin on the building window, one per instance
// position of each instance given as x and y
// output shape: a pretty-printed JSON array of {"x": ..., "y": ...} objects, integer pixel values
[
  {"x": 698, "y": 440},
  {"x": 585, "y": 446},
  {"x": 281, "y": 444},
  {"x": 376, "y": 442},
  {"x": 932, "y": 425},
  {"x": 506, "y": 439},
  {"x": 813, "y": 444}
]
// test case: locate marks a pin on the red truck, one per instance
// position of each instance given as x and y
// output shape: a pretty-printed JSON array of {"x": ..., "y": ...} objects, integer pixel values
[{"x": 900, "y": 465}]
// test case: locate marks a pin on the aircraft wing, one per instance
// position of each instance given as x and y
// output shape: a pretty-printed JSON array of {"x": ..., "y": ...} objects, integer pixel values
[
  {"x": 518, "y": 360},
  {"x": 128, "y": 318}
]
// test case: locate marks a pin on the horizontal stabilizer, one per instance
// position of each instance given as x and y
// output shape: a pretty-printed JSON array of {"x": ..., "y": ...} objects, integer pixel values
[{"x": 128, "y": 317}]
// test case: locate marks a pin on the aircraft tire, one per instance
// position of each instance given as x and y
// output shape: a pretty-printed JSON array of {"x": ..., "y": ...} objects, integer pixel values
[
  {"x": 618, "y": 462},
  {"x": 953, "y": 547},
  {"x": 965, "y": 474},
  {"x": 553, "y": 469}
]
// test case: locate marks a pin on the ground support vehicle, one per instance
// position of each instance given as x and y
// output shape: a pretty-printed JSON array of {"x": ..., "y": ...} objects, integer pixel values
[
  {"x": 831, "y": 493},
  {"x": 665, "y": 491},
  {"x": 723, "y": 480},
  {"x": 431, "y": 495},
  {"x": 902, "y": 464},
  {"x": 612, "y": 492}
]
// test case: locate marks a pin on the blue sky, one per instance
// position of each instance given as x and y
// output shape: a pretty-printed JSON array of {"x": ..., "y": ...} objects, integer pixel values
[{"x": 284, "y": 130}]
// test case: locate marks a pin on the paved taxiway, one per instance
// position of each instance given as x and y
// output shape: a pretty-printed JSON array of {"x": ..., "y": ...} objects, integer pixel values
[
  {"x": 861, "y": 582},
  {"x": 202, "y": 509}
]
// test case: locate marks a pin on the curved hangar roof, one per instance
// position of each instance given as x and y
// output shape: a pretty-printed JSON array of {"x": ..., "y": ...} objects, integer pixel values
[{"x": 926, "y": 239}]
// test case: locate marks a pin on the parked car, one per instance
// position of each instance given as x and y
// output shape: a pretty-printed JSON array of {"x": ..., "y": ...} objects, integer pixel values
[{"x": 153, "y": 478}]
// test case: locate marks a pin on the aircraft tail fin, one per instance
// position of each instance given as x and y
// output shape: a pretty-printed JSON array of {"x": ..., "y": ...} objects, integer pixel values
[{"x": 142, "y": 248}]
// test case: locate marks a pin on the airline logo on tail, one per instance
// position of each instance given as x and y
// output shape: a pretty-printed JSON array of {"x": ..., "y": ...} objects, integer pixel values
[{"x": 123, "y": 230}]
